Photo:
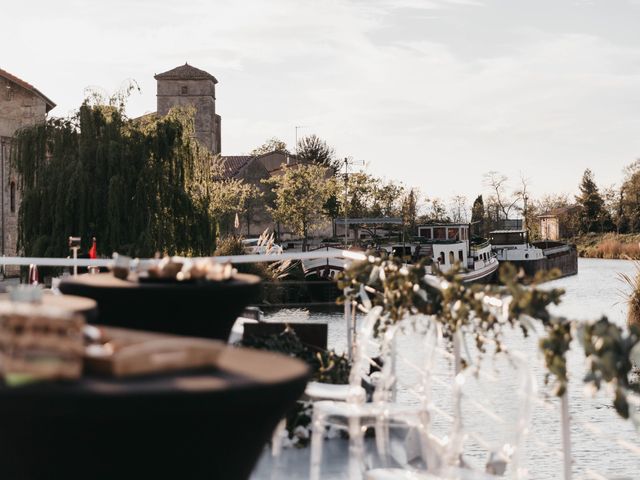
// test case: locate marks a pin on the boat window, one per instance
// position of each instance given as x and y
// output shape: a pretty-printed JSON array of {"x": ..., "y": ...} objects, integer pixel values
[
  {"x": 425, "y": 233},
  {"x": 452, "y": 258},
  {"x": 440, "y": 233},
  {"x": 507, "y": 238},
  {"x": 460, "y": 256}
]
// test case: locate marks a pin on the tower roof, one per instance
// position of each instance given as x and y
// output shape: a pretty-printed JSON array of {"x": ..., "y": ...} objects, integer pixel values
[{"x": 185, "y": 72}]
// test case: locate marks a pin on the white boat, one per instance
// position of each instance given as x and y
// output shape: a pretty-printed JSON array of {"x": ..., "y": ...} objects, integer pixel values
[
  {"x": 449, "y": 245},
  {"x": 323, "y": 268}
]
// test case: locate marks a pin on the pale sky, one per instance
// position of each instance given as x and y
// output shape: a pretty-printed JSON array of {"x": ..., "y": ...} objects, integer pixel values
[{"x": 433, "y": 93}]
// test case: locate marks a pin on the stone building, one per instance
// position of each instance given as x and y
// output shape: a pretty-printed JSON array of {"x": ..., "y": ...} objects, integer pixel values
[
  {"x": 559, "y": 223},
  {"x": 21, "y": 105},
  {"x": 189, "y": 86}
]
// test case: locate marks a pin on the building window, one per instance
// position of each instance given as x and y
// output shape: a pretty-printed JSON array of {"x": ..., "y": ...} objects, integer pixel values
[
  {"x": 460, "y": 256},
  {"x": 441, "y": 258},
  {"x": 184, "y": 90},
  {"x": 12, "y": 197},
  {"x": 452, "y": 258}
]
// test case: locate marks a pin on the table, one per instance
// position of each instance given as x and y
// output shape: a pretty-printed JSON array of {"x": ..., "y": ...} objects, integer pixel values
[
  {"x": 205, "y": 309},
  {"x": 71, "y": 303},
  {"x": 206, "y": 424}
]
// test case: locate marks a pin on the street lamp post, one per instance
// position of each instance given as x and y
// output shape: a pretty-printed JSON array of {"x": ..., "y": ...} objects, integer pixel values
[{"x": 347, "y": 161}]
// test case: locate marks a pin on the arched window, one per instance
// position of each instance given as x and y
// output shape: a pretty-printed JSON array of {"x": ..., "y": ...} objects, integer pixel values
[
  {"x": 12, "y": 197},
  {"x": 441, "y": 258},
  {"x": 452, "y": 258},
  {"x": 460, "y": 256}
]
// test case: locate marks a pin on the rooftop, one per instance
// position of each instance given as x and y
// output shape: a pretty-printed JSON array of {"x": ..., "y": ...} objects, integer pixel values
[
  {"x": 185, "y": 72},
  {"x": 27, "y": 86},
  {"x": 234, "y": 163}
]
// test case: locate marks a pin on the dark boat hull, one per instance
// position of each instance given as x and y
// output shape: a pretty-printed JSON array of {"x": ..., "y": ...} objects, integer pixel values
[{"x": 557, "y": 256}]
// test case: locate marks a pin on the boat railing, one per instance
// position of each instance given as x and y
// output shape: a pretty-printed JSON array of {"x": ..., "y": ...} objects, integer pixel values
[
  {"x": 479, "y": 246},
  {"x": 568, "y": 424}
]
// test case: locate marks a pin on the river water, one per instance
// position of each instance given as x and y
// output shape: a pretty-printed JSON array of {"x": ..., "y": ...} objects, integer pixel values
[{"x": 597, "y": 290}]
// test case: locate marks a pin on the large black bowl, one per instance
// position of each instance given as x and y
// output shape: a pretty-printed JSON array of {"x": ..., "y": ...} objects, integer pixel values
[{"x": 203, "y": 309}]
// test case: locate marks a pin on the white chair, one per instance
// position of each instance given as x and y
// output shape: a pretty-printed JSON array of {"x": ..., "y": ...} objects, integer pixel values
[
  {"x": 354, "y": 416},
  {"x": 479, "y": 400}
]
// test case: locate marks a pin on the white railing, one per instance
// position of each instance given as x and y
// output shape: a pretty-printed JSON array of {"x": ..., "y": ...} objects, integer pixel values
[{"x": 561, "y": 409}]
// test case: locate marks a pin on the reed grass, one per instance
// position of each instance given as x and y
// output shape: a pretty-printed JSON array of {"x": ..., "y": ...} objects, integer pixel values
[
  {"x": 633, "y": 297},
  {"x": 610, "y": 246}
]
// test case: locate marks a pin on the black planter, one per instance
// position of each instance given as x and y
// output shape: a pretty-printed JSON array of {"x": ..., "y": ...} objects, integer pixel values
[{"x": 203, "y": 309}]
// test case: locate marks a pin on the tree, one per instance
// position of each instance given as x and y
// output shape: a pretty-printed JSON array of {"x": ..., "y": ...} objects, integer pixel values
[
  {"x": 459, "y": 208},
  {"x": 386, "y": 198},
  {"x": 139, "y": 186},
  {"x": 630, "y": 198},
  {"x": 410, "y": 211},
  {"x": 300, "y": 194},
  {"x": 591, "y": 203},
  {"x": 312, "y": 149},
  {"x": 232, "y": 197},
  {"x": 272, "y": 145},
  {"x": 438, "y": 212},
  {"x": 477, "y": 216},
  {"x": 501, "y": 201}
]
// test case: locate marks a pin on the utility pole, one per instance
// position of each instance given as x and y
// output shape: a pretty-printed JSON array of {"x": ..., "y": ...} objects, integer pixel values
[{"x": 347, "y": 162}]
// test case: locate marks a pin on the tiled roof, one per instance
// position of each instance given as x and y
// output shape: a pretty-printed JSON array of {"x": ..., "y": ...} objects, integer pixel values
[
  {"x": 554, "y": 212},
  {"x": 234, "y": 163},
  {"x": 27, "y": 86},
  {"x": 185, "y": 72}
]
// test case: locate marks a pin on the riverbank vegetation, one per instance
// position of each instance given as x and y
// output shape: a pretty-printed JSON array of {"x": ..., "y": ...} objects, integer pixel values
[{"x": 609, "y": 246}]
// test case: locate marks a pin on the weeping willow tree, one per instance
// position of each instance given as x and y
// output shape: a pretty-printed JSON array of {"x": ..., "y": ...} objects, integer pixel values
[{"x": 139, "y": 186}]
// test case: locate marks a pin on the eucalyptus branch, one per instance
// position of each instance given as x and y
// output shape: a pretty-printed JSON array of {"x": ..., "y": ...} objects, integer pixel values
[{"x": 485, "y": 310}]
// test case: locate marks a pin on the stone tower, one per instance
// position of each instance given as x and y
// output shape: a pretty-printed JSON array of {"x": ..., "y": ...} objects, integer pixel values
[{"x": 189, "y": 86}]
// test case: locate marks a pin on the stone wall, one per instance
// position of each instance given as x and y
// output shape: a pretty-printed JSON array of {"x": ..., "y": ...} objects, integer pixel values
[
  {"x": 18, "y": 108},
  {"x": 199, "y": 94}
]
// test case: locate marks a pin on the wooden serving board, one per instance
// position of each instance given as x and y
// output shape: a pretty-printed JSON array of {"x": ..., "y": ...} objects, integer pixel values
[{"x": 137, "y": 352}]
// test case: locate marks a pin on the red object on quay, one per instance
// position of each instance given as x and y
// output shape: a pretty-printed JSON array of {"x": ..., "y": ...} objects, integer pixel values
[
  {"x": 93, "y": 252},
  {"x": 34, "y": 276}
]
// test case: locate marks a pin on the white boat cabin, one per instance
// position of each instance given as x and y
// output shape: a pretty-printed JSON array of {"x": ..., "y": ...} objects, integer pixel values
[
  {"x": 513, "y": 245},
  {"x": 447, "y": 244}
]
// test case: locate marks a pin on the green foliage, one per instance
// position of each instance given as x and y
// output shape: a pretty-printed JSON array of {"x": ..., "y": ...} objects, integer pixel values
[
  {"x": 326, "y": 366},
  {"x": 272, "y": 145},
  {"x": 139, "y": 186},
  {"x": 230, "y": 197},
  {"x": 301, "y": 192},
  {"x": 312, "y": 149},
  {"x": 592, "y": 213},
  {"x": 609, "y": 352},
  {"x": 409, "y": 210},
  {"x": 232, "y": 245},
  {"x": 555, "y": 346},
  {"x": 484, "y": 311},
  {"x": 477, "y": 216}
]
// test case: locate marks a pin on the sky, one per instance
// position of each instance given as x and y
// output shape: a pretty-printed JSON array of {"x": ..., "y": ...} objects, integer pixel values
[{"x": 432, "y": 93}]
